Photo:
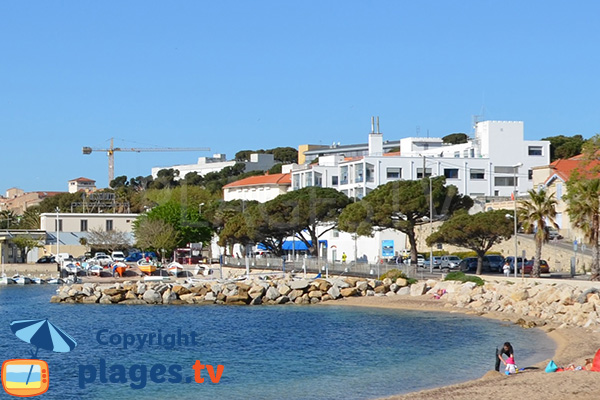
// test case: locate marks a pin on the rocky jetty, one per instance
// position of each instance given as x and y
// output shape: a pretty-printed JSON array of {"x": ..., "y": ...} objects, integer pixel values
[
  {"x": 537, "y": 304},
  {"x": 248, "y": 292}
]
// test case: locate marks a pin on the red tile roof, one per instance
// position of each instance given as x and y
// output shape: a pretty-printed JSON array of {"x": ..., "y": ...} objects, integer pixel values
[
  {"x": 262, "y": 180},
  {"x": 82, "y": 179},
  {"x": 564, "y": 168}
]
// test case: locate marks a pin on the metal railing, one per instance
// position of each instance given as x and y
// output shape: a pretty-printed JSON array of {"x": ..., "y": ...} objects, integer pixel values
[{"x": 315, "y": 266}]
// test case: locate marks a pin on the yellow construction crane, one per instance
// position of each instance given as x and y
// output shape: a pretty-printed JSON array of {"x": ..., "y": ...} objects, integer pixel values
[{"x": 111, "y": 153}]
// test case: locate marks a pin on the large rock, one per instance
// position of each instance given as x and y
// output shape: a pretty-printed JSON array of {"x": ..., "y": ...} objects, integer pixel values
[
  {"x": 401, "y": 282},
  {"x": 55, "y": 299},
  {"x": 348, "y": 292},
  {"x": 256, "y": 291},
  {"x": 315, "y": 294},
  {"x": 238, "y": 299},
  {"x": 418, "y": 289},
  {"x": 403, "y": 291},
  {"x": 294, "y": 294},
  {"x": 519, "y": 295},
  {"x": 382, "y": 289},
  {"x": 151, "y": 297},
  {"x": 363, "y": 286},
  {"x": 180, "y": 290},
  {"x": 299, "y": 285},
  {"x": 272, "y": 293},
  {"x": 334, "y": 292},
  {"x": 342, "y": 284},
  {"x": 168, "y": 296},
  {"x": 284, "y": 289},
  {"x": 282, "y": 300},
  {"x": 210, "y": 297},
  {"x": 112, "y": 291}
]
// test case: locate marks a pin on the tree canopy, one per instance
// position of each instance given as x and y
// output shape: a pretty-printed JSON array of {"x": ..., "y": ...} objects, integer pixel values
[
  {"x": 564, "y": 146},
  {"x": 456, "y": 138},
  {"x": 402, "y": 205},
  {"x": 478, "y": 232},
  {"x": 285, "y": 155}
]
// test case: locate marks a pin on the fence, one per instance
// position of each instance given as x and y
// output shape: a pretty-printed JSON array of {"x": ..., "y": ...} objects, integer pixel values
[{"x": 316, "y": 266}]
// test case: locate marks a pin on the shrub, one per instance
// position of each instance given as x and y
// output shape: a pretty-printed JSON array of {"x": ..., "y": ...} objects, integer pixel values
[
  {"x": 393, "y": 274},
  {"x": 461, "y": 277}
]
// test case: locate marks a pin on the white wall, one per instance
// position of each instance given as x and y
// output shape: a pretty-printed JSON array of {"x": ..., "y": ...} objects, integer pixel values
[{"x": 71, "y": 222}]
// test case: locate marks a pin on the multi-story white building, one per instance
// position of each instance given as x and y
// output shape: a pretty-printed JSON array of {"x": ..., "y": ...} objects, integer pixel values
[
  {"x": 492, "y": 163},
  {"x": 205, "y": 165}
]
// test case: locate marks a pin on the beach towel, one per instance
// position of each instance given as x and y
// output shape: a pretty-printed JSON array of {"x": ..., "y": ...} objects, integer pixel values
[
  {"x": 551, "y": 367},
  {"x": 596, "y": 363}
]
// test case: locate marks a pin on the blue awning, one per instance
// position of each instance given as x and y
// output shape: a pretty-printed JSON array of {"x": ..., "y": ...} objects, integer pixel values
[{"x": 289, "y": 245}]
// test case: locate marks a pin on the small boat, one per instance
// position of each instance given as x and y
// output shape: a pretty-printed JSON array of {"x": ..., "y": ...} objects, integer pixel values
[
  {"x": 147, "y": 268},
  {"x": 37, "y": 280},
  {"x": 174, "y": 268},
  {"x": 203, "y": 270},
  {"x": 21, "y": 280},
  {"x": 120, "y": 268},
  {"x": 55, "y": 281},
  {"x": 5, "y": 280}
]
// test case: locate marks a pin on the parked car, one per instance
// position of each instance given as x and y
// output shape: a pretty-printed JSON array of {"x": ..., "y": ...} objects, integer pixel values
[
  {"x": 437, "y": 261},
  {"x": 544, "y": 267},
  {"x": 553, "y": 234},
  {"x": 138, "y": 255},
  {"x": 450, "y": 262},
  {"x": 46, "y": 260},
  {"x": 118, "y": 256},
  {"x": 496, "y": 262},
  {"x": 469, "y": 264},
  {"x": 511, "y": 262},
  {"x": 420, "y": 260},
  {"x": 102, "y": 259}
]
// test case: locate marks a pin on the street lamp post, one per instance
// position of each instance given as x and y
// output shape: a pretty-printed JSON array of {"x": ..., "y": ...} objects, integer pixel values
[
  {"x": 515, "y": 169},
  {"x": 431, "y": 226}
]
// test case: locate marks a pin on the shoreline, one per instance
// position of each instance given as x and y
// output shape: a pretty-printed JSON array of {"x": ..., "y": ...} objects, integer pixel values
[{"x": 573, "y": 345}]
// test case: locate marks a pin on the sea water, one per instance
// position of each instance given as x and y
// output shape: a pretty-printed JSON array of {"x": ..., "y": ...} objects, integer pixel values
[{"x": 267, "y": 352}]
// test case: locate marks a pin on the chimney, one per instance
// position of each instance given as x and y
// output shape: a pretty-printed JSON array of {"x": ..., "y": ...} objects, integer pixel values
[{"x": 375, "y": 139}]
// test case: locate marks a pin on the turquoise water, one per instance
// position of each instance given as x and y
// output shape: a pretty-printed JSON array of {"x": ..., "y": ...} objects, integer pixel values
[{"x": 268, "y": 352}]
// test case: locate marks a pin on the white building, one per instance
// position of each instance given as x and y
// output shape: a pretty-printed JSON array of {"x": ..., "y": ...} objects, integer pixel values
[
  {"x": 490, "y": 164},
  {"x": 205, "y": 165},
  {"x": 260, "y": 188},
  {"x": 72, "y": 227},
  {"x": 82, "y": 184}
]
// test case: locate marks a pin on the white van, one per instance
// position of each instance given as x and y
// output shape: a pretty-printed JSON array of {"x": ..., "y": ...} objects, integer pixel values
[
  {"x": 118, "y": 256},
  {"x": 61, "y": 257}
]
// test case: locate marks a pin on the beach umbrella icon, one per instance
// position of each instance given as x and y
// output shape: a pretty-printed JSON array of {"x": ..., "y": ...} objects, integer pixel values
[{"x": 43, "y": 335}]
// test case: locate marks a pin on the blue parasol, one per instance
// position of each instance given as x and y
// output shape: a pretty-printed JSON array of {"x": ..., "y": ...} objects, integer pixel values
[{"x": 42, "y": 334}]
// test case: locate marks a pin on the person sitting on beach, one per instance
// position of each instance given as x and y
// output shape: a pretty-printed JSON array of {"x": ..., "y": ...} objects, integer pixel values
[
  {"x": 510, "y": 362},
  {"x": 438, "y": 295},
  {"x": 588, "y": 364}
]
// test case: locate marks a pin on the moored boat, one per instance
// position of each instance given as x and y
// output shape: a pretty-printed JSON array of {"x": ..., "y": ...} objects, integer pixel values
[
  {"x": 120, "y": 268},
  {"x": 21, "y": 280},
  {"x": 174, "y": 268},
  {"x": 147, "y": 268},
  {"x": 55, "y": 281},
  {"x": 5, "y": 280}
]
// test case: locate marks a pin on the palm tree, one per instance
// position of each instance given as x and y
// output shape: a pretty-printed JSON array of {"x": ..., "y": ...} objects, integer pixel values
[
  {"x": 539, "y": 212},
  {"x": 583, "y": 201}
]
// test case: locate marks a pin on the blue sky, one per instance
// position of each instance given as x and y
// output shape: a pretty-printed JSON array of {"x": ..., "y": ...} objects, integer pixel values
[{"x": 233, "y": 75}]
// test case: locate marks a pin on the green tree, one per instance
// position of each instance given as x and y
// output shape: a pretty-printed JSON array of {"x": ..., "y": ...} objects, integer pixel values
[
  {"x": 478, "y": 232},
  {"x": 583, "y": 207},
  {"x": 402, "y": 205},
  {"x": 309, "y": 212},
  {"x": 165, "y": 179},
  {"x": 456, "y": 138},
  {"x": 30, "y": 218},
  {"x": 119, "y": 181},
  {"x": 565, "y": 146},
  {"x": 184, "y": 218},
  {"x": 26, "y": 243},
  {"x": 275, "y": 169},
  {"x": 8, "y": 219},
  {"x": 285, "y": 155},
  {"x": 539, "y": 211}
]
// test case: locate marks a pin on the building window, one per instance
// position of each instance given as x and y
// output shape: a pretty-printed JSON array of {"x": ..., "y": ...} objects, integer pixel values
[
  {"x": 505, "y": 170},
  {"x": 109, "y": 225},
  {"x": 358, "y": 173},
  {"x": 505, "y": 181},
  {"x": 535, "y": 150},
  {"x": 420, "y": 173},
  {"x": 477, "y": 174},
  {"x": 334, "y": 180},
  {"x": 394, "y": 173},
  {"x": 457, "y": 154},
  {"x": 335, "y": 233},
  {"x": 60, "y": 225},
  {"x": 296, "y": 184},
  {"x": 530, "y": 174},
  {"x": 83, "y": 225},
  {"x": 559, "y": 192},
  {"x": 344, "y": 174},
  {"x": 451, "y": 173}
]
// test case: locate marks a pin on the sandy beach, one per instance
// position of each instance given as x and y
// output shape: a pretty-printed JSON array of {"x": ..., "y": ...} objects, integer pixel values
[{"x": 574, "y": 345}]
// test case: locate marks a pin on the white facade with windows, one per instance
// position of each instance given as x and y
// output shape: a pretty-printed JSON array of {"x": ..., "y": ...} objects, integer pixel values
[
  {"x": 205, "y": 165},
  {"x": 484, "y": 166}
]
